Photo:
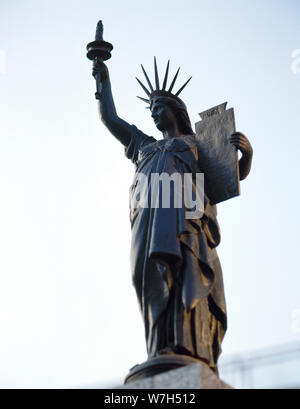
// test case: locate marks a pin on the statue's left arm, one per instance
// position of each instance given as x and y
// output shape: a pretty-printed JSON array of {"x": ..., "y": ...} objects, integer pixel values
[{"x": 242, "y": 143}]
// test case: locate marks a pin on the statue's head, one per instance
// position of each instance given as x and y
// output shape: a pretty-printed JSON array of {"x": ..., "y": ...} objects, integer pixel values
[
  {"x": 165, "y": 106},
  {"x": 165, "y": 111}
]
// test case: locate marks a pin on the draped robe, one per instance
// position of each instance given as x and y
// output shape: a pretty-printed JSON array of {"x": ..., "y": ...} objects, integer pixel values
[{"x": 176, "y": 271}]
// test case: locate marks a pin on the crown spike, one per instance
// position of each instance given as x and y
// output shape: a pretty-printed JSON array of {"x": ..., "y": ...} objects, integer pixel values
[
  {"x": 184, "y": 85},
  {"x": 156, "y": 75},
  {"x": 173, "y": 82},
  {"x": 143, "y": 86},
  {"x": 147, "y": 78},
  {"x": 144, "y": 99},
  {"x": 155, "y": 90},
  {"x": 166, "y": 76}
]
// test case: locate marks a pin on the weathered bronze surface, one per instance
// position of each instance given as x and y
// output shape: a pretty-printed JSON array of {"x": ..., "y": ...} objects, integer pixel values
[
  {"x": 176, "y": 270},
  {"x": 159, "y": 364},
  {"x": 218, "y": 157}
]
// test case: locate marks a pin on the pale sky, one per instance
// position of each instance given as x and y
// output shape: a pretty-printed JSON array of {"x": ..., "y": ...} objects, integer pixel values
[{"x": 68, "y": 312}]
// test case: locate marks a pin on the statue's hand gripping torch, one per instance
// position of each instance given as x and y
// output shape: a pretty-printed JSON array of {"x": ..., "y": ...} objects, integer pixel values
[{"x": 98, "y": 51}]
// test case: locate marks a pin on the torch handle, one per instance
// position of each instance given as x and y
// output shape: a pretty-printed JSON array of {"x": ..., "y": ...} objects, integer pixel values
[{"x": 98, "y": 80}]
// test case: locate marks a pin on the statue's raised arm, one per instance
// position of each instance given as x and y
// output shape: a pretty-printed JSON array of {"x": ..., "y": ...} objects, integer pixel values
[
  {"x": 107, "y": 110},
  {"x": 98, "y": 51}
]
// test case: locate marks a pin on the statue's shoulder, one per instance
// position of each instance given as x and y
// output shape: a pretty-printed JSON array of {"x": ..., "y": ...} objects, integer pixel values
[
  {"x": 136, "y": 133},
  {"x": 138, "y": 141}
]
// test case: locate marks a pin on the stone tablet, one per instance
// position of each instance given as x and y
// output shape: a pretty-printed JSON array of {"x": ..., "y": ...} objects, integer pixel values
[{"x": 218, "y": 157}]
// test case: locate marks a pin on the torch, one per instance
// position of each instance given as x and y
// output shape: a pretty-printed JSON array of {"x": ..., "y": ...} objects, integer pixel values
[{"x": 99, "y": 50}]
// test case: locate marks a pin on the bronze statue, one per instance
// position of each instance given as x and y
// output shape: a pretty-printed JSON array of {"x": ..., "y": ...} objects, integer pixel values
[{"x": 176, "y": 271}]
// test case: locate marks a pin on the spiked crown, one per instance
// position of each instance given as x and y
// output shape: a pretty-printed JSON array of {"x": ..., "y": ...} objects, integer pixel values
[{"x": 152, "y": 93}]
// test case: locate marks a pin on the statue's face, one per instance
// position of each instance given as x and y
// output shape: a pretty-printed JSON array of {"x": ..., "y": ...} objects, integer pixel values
[{"x": 162, "y": 115}]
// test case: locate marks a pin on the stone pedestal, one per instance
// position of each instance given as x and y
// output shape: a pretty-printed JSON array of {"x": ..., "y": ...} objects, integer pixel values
[{"x": 193, "y": 376}]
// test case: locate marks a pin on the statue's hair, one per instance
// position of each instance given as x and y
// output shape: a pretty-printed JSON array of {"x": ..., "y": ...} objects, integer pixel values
[{"x": 180, "y": 111}]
